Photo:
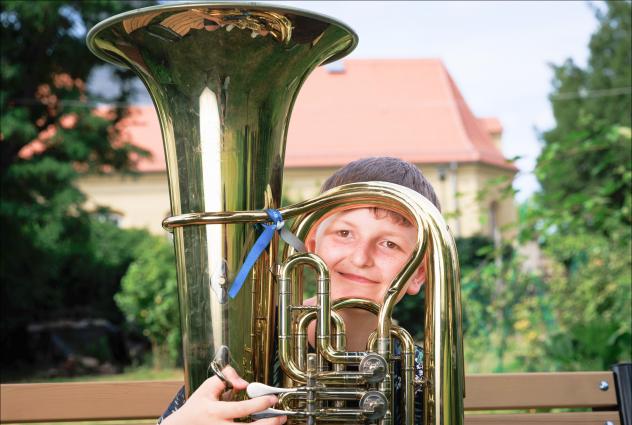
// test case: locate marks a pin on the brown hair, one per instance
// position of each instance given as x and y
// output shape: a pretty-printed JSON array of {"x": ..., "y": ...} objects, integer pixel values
[{"x": 386, "y": 169}]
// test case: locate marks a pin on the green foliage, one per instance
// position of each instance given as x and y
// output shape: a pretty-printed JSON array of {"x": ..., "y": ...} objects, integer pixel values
[
  {"x": 45, "y": 64},
  {"x": 591, "y": 297},
  {"x": 590, "y": 106},
  {"x": 54, "y": 256},
  {"x": 71, "y": 277},
  {"x": 409, "y": 312},
  {"x": 598, "y": 95},
  {"x": 575, "y": 312},
  {"x": 505, "y": 314},
  {"x": 586, "y": 182},
  {"x": 149, "y": 299},
  {"x": 582, "y": 216},
  {"x": 473, "y": 251}
]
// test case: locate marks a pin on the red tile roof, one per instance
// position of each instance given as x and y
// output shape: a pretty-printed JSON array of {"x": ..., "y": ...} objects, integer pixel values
[
  {"x": 492, "y": 125},
  {"x": 410, "y": 109}
]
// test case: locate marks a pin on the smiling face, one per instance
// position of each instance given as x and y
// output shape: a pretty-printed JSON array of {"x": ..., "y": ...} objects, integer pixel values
[{"x": 364, "y": 249}]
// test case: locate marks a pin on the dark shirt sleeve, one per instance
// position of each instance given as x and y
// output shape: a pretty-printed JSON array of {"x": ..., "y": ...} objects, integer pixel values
[
  {"x": 398, "y": 384},
  {"x": 419, "y": 391},
  {"x": 175, "y": 404}
]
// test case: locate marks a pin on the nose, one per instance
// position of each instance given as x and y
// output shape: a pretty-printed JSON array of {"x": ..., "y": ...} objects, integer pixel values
[{"x": 361, "y": 255}]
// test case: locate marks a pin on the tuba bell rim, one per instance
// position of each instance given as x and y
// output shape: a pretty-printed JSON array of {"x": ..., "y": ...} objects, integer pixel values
[{"x": 94, "y": 32}]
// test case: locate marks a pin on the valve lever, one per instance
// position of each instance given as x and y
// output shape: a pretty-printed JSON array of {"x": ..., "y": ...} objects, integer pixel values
[
  {"x": 257, "y": 389},
  {"x": 273, "y": 413}
]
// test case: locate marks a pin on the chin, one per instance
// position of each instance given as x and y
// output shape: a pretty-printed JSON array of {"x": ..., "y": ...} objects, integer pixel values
[
  {"x": 369, "y": 297},
  {"x": 346, "y": 290}
]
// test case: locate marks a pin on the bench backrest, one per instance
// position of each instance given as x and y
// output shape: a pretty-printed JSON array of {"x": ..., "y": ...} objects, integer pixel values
[{"x": 100, "y": 401}]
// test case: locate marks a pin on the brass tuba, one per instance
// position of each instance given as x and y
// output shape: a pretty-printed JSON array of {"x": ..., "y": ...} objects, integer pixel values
[{"x": 223, "y": 78}]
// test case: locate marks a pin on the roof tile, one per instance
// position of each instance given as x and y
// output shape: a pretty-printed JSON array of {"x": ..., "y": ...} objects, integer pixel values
[{"x": 408, "y": 108}]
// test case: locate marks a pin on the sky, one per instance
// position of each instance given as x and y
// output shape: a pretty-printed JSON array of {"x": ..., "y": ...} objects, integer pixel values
[{"x": 498, "y": 53}]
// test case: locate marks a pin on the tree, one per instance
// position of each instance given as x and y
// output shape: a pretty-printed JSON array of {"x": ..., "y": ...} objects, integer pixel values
[
  {"x": 148, "y": 297},
  {"x": 506, "y": 315},
  {"x": 409, "y": 312},
  {"x": 583, "y": 156},
  {"x": 582, "y": 215},
  {"x": 589, "y": 291},
  {"x": 49, "y": 136}
]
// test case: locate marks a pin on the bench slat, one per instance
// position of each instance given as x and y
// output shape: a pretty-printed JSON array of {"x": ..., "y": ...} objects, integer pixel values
[
  {"x": 148, "y": 399},
  {"x": 75, "y": 401},
  {"x": 583, "y": 418},
  {"x": 533, "y": 390}
]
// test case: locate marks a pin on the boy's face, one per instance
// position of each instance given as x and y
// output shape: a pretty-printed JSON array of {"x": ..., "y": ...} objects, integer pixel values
[{"x": 364, "y": 252}]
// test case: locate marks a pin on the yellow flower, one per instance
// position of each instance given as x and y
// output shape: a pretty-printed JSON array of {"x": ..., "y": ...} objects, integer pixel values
[{"x": 521, "y": 325}]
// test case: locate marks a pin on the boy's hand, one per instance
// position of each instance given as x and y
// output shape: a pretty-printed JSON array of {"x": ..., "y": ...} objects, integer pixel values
[{"x": 205, "y": 407}]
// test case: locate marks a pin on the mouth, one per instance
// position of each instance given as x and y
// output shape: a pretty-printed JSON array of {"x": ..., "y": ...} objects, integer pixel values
[{"x": 357, "y": 278}]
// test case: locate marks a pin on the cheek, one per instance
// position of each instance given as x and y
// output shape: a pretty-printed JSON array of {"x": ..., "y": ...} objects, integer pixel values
[
  {"x": 394, "y": 265},
  {"x": 330, "y": 251},
  {"x": 329, "y": 257}
]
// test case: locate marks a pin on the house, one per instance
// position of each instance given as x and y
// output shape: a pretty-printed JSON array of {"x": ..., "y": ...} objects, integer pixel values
[{"x": 410, "y": 109}]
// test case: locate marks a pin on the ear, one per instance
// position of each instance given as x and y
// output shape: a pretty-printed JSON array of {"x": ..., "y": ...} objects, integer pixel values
[{"x": 417, "y": 281}]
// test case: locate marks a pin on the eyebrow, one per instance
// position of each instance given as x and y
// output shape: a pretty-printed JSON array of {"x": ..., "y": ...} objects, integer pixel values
[
  {"x": 343, "y": 221},
  {"x": 350, "y": 223}
]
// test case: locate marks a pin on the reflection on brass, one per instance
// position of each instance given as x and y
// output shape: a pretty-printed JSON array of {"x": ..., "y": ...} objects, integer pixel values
[
  {"x": 184, "y": 22},
  {"x": 259, "y": 22},
  {"x": 137, "y": 22},
  {"x": 223, "y": 101}
]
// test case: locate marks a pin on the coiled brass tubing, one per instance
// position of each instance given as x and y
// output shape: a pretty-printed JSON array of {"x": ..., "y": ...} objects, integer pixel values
[{"x": 443, "y": 361}]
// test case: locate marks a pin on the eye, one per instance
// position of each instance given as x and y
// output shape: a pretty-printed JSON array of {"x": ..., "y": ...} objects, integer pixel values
[
  {"x": 343, "y": 233},
  {"x": 391, "y": 245}
]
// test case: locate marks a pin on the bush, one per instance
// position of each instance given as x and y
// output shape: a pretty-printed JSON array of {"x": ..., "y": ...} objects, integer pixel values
[
  {"x": 149, "y": 300},
  {"x": 472, "y": 252}
]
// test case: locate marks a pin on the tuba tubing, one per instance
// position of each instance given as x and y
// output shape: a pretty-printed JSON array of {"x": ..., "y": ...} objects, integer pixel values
[{"x": 223, "y": 78}]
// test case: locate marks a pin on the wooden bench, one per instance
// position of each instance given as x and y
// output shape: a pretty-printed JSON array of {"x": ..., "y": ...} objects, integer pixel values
[{"x": 145, "y": 401}]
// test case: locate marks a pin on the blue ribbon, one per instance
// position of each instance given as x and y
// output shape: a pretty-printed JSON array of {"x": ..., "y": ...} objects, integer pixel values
[{"x": 260, "y": 245}]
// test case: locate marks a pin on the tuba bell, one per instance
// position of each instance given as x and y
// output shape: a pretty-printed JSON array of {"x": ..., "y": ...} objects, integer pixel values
[{"x": 223, "y": 78}]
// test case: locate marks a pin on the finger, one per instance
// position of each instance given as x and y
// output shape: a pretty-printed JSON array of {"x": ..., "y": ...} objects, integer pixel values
[
  {"x": 228, "y": 395},
  {"x": 271, "y": 421},
  {"x": 239, "y": 409},
  {"x": 213, "y": 387},
  {"x": 234, "y": 378}
]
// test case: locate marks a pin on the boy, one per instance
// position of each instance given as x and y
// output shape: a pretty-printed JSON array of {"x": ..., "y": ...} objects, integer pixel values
[{"x": 364, "y": 248}]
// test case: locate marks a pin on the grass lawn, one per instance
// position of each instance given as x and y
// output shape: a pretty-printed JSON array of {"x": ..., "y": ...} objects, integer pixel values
[
  {"x": 131, "y": 374},
  {"x": 142, "y": 373}
]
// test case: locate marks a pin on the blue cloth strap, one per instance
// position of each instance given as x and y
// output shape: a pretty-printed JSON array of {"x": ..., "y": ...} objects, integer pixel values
[{"x": 261, "y": 244}]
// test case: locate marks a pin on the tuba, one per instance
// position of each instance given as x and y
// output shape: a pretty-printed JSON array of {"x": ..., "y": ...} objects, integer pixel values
[{"x": 223, "y": 78}]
